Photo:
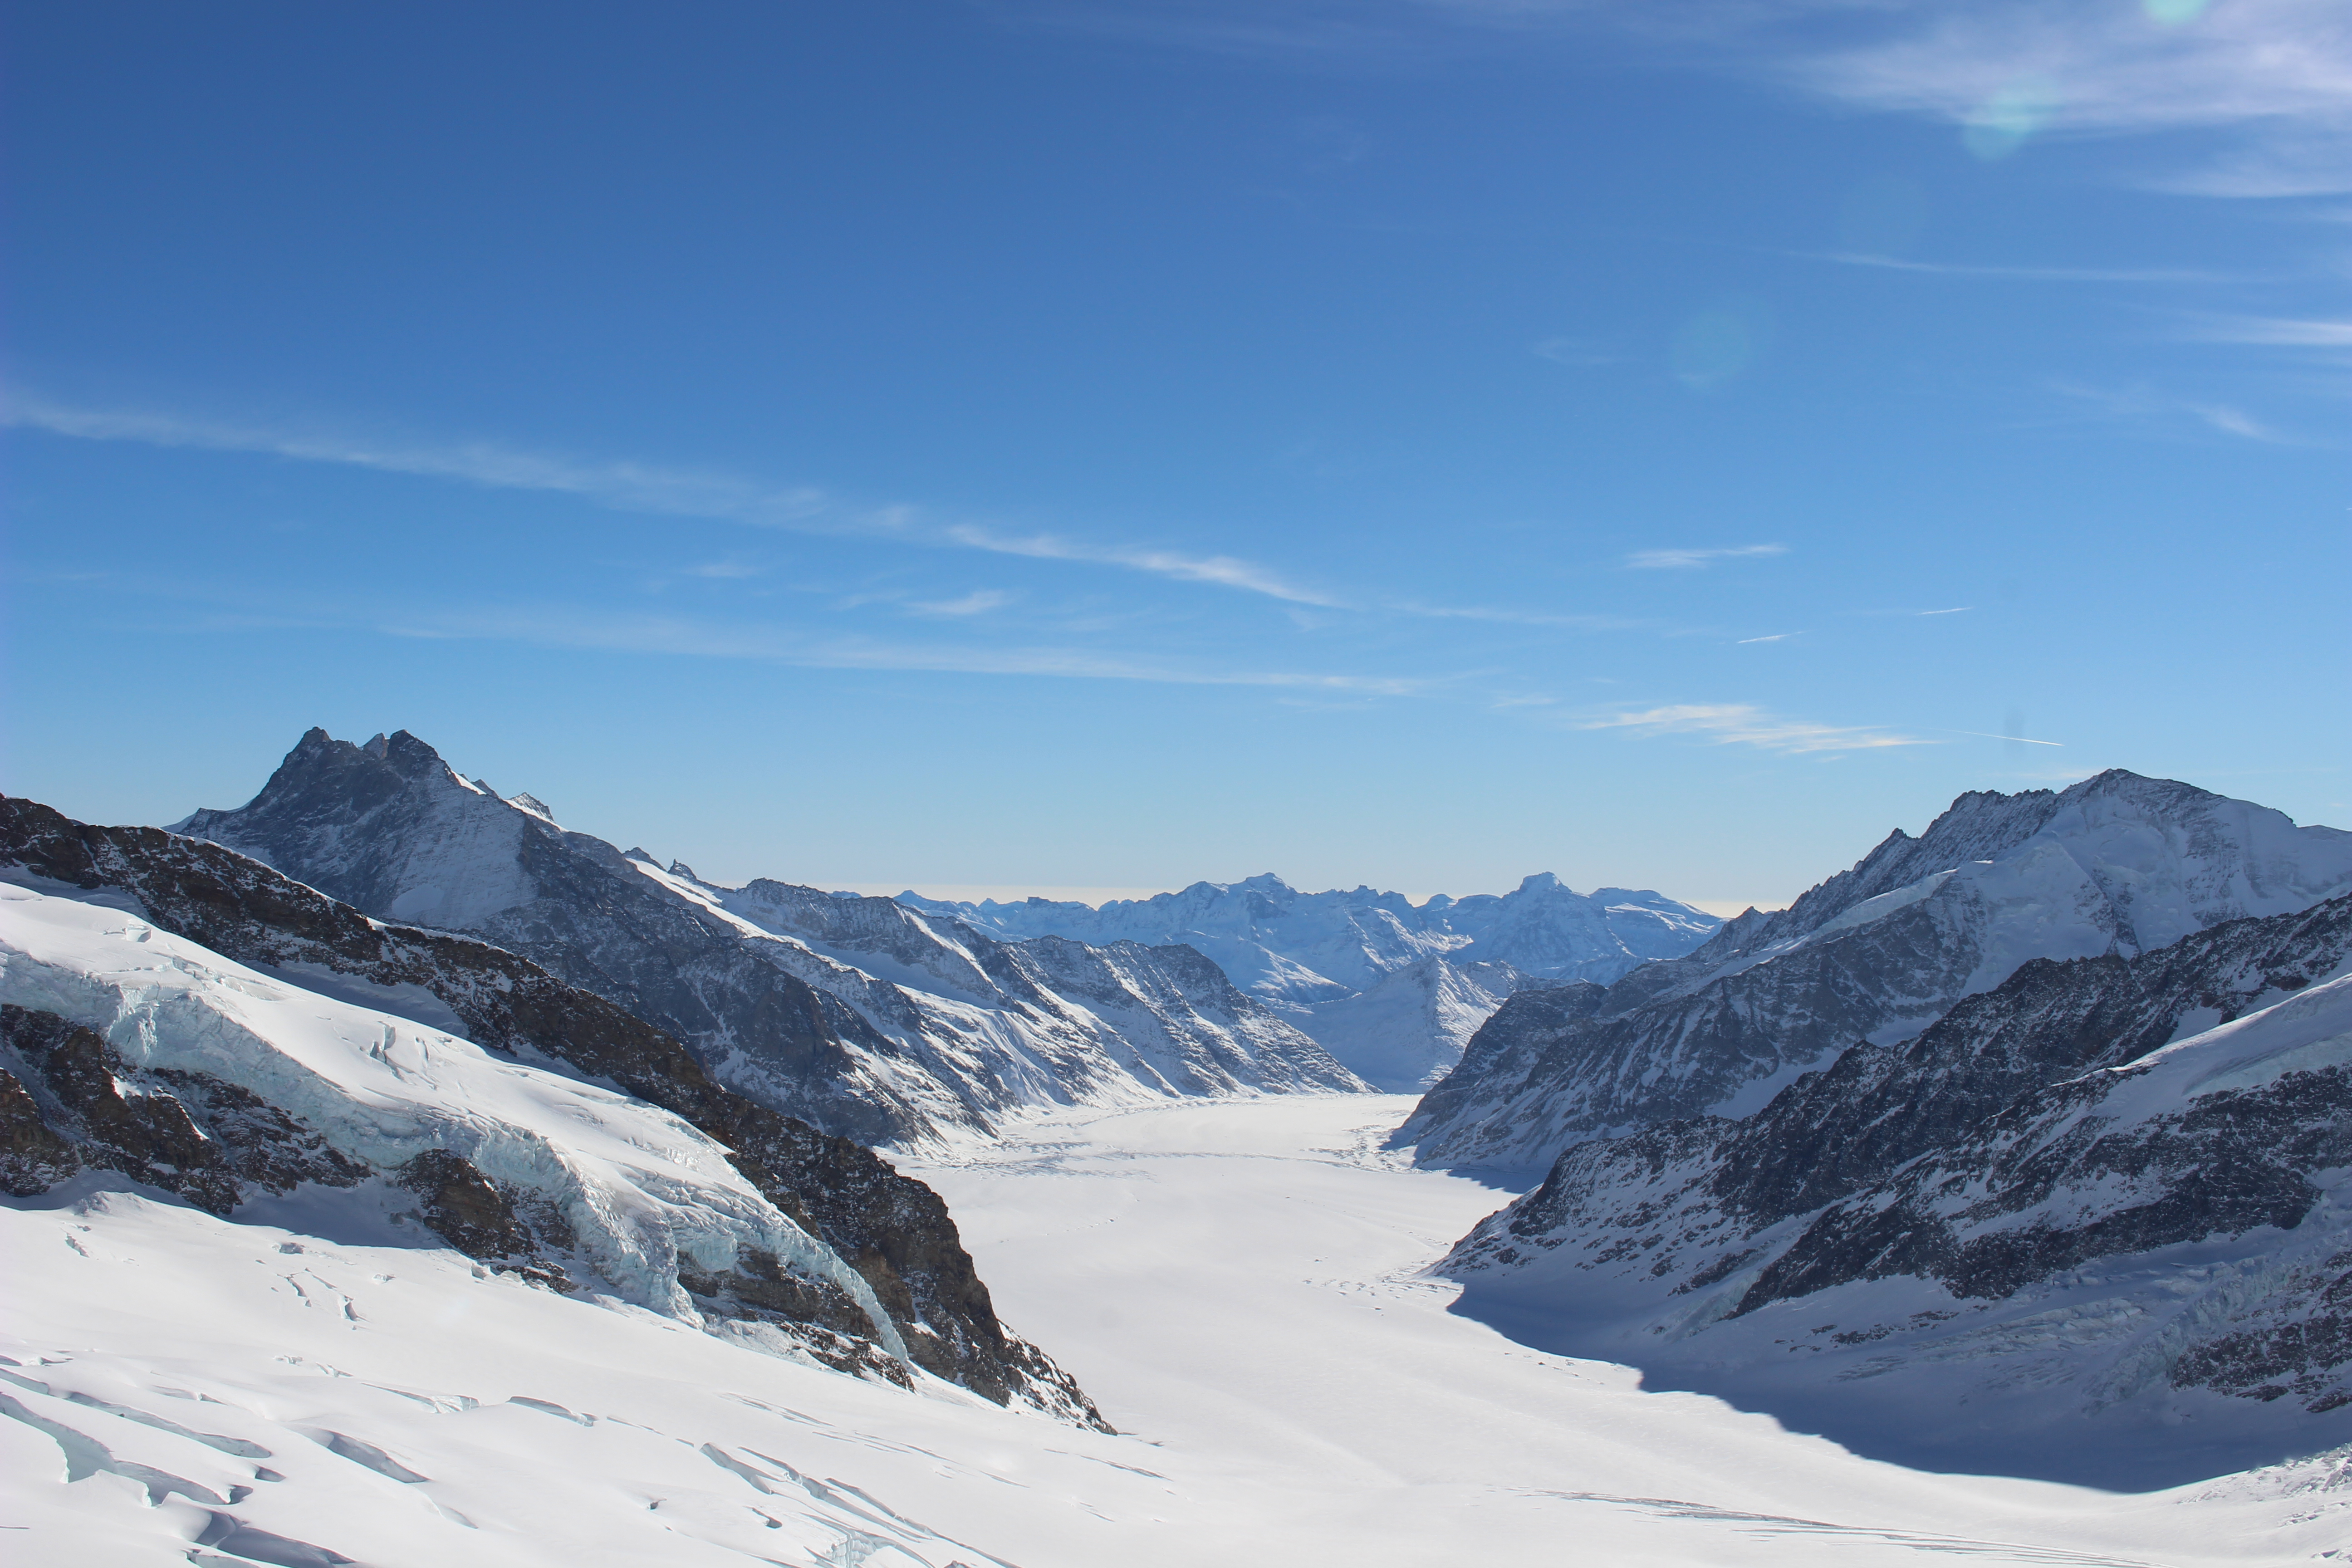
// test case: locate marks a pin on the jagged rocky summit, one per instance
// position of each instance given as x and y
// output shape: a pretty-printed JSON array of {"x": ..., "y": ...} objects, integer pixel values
[
  {"x": 2116, "y": 865},
  {"x": 177, "y": 1016},
  {"x": 2090, "y": 1225},
  {"x": 858, "y": 1014},
  {"x": 1393, "y": 989}
]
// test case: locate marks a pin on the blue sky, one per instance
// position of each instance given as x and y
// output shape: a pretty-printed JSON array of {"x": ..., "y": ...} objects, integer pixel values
[{"x": 1414, "y": 442}]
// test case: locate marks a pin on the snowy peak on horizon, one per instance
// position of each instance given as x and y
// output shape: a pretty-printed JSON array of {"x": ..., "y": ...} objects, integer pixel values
[
  {"x": 853, "y": 1014},
  {"x": 1289, "y": 946},
  {"x": 2117, "y": 864}
]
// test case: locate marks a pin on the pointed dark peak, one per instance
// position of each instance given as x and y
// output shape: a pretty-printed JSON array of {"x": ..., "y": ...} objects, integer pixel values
[
  {"x": 640, "y": 854},
  {"x": 680, "y": 868},
  {"x": 530, "y": 802},
  {"x": 375, "y": 748}
]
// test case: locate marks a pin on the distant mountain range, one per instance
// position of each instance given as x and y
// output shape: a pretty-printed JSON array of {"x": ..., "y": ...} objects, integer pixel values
[
  {"x": 2019, "y": 1147},
  {"x": 859, "y": 1016},
  {"x": 1395, "y": 989}
]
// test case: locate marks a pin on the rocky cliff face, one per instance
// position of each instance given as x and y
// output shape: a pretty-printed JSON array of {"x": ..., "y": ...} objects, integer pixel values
[
  {"x": 219, "y": 1145},
  {"x": 2091, "y": 1204},
  {"x": 2116, "y": 865},
  {"x": 853, "y": 1014}
]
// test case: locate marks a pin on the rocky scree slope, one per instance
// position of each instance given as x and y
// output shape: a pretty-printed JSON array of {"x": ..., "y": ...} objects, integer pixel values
[
  {"x": 853, "y": 1014},
  {"x": 2091, "y": 1205},
  {"x": 2117, "y": 864},
  {"x": 61, "y": 1116}
]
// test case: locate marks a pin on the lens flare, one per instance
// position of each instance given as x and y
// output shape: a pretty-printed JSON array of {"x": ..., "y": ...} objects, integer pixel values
[
  {"x": 1719, "y": 344},
  {"x": 2006, "y": 120}
]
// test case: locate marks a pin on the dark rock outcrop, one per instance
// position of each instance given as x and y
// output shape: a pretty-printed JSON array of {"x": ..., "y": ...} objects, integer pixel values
[
  {"x": 2117, "y": 865},
  {"x": 892, "y": 1229},
  {"x": 851, "y": 1014}
]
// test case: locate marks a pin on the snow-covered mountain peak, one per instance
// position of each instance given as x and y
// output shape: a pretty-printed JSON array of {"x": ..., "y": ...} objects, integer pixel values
[
  {"x": 2118, "y": 864},
  {"x": 854, "y": 1013}
]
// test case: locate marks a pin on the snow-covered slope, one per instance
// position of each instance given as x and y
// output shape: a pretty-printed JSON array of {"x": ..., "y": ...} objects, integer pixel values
[
  {"x": 2127, "y": 1274},
  {"x": 1391, "y": 989},
  {"x": 2116, "y": 864},
  {"x": 187, "y": 1070},
  {"x": 1240, "y": 1277},
  {"x": 1407, "y": 1029},
  {"x": 857, "y": 1015},
  {"x": 894, "y": 1231},
  {"x": 1283, "y": 945}
]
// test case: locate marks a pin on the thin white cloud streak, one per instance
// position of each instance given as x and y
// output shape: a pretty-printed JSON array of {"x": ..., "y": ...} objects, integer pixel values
[
  {"x": 1222, "y": 569},
  {"x": 1521, "y": 617},
  {"x": 630, "y": 487},
  {"x": 2017, "y": 274},
  {"x": 1954, "y": 610},
  {"x": 2275, "y": 331},
  {"x": 672, "y": 634},
  {"x": 2019, "y": 740},
  {"x": 1688, "y": 559},
  {"x": 1776, "y": 637},
  {"x": 2159, "y": 408},
  {"x": 1740, "y": 724},
  {"x": 980, "y": 601}
]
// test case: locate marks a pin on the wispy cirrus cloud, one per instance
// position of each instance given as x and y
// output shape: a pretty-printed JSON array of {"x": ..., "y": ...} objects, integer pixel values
[
  {"x": 631, "y": 486},
  {"x": 1741, "y": 724},
  {"x": 564, "y": 627},
  {"x": 2272, "y": 77},
  {"x": 1223, "y": 570},
  {"x": 1691, "y": 559},
  {"x": 2272, "y": 331},
  {"x": 1504, "y": 616},
  {"x": 978, "y": 601},
  {"x": 2021, "y": 274},
  {"x": 2159, "y": 410}
]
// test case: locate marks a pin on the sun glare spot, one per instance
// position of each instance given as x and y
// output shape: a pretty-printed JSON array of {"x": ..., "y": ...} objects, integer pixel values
[{"x": 2011, "y": 117}]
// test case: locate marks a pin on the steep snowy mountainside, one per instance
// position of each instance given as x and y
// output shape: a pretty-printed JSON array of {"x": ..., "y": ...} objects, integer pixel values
[
  {"x": 2116, "y": 864},
  {"x": 1409, "y": 1027},
  {"x": 1284, "y": 945},
  {"x": 949, "y": 1036},
  {"x": 893, "y": 1230},
  {"x": 2049, "y": 1213},
  {"x": 171, "y": 1064}
]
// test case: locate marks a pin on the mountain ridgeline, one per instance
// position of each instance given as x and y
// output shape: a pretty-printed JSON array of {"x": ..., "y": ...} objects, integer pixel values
[
  {"x": 2117, "y": 864},
  {"x": 2016, "y": 1148},
  {"x": 825, "y": 1245},
  {"x": 1393, "y": 988},
  {"x": 857, "y": 1014}
]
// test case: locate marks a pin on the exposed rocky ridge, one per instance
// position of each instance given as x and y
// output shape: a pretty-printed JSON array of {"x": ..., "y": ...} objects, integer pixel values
[
  {"x": 1286, "y": 946},
  {"x": 891, "y": 1229},
  {"x": 853, "y": 1014},
  {"x": 2110, "y": 1175},
  {"x": 2117, "y": 864}
]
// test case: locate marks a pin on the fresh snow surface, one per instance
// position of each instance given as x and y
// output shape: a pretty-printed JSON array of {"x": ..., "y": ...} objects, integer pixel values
[
  {"x": 639, "y": 1186},
  {"x": 1238, "y": 1283}
]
